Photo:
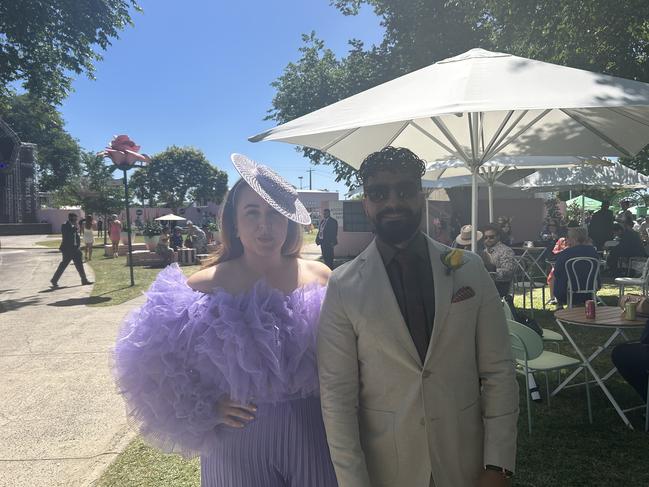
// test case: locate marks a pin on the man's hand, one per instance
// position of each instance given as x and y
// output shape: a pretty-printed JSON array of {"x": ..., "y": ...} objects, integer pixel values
[
  {"x": 487, "y": 261},
  {"x": 491, "y": 478},
  {"x": 235, "y": 415}
]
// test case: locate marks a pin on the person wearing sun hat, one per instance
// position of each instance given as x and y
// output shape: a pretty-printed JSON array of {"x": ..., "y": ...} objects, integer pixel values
[
  {"x": 463, "y": 240},
  {"x": 223, "y": 364}
]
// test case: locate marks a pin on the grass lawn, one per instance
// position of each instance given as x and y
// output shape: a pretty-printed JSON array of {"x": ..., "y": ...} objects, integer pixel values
[
  {"x": 142, "y": 466},
  {"x": 564, "y": 450},
  {"x": 112, "y": 280},
  {"x": 112, "y": 276}
]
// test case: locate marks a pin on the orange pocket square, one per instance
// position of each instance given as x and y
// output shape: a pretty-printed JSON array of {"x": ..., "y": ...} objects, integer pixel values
[{"x": 463, "y": 294}]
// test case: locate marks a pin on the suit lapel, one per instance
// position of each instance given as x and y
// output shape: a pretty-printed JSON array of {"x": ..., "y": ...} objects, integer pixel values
[
  {"x": 443, "y": 292},
  {"x": 384, "y": 311}
]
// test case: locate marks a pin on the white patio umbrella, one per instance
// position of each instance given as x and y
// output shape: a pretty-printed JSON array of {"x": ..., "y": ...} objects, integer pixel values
[
  {"x": 614, "y": 176},
  {"x": 506, "y": 169},
  {"x": 479, "y": 105},
  {"x": 170, "y": 218}
]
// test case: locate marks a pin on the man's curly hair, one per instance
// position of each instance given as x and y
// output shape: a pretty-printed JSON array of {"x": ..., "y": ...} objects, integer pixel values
[{"x": 393, "y": 159}]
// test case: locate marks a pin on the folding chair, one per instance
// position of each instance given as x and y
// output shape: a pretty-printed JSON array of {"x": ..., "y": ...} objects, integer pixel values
[
  {"x": 575, "y": 285},
  {"x": 527, "y": 348}
]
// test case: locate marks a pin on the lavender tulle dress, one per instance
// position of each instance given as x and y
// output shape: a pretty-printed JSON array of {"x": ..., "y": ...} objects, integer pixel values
[{"x": 182, "y": 350}]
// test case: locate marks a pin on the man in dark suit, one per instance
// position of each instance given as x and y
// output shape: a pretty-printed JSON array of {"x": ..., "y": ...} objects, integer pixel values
[
  {"x": 630, "y": 245},
  {"x": 327, "y": 238},
  {"x": 600, "y": 229},
  {"x": 70, "y": 242}
]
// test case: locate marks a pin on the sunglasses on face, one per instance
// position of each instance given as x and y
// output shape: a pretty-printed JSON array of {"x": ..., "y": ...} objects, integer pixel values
[{"x": 381, "y": 192}]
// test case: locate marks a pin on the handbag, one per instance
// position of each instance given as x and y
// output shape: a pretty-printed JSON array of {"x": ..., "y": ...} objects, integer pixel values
[
  {"x": 521, "y": 317},
  {"x": 641, "y": 303}
]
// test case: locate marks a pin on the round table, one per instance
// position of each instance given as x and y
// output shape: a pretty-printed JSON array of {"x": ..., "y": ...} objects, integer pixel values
[{"x": 606, "y": 317}]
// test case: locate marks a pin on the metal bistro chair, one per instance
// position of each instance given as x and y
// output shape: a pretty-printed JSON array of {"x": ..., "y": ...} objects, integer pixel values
[
  {"x": 642, "y": 281},
  {"x": 549, "y": 336},
  {"x": 575, "y": 285},
  {"x": 524, "y": 280},
  {"x": 527, "y": 348}
]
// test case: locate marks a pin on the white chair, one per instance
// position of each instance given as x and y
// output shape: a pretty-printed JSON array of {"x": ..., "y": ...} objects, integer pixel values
[
  {"x": 527, "y": 348},
  {"x": 579, "y": 286},
  {"x": 642, "y": 281}
]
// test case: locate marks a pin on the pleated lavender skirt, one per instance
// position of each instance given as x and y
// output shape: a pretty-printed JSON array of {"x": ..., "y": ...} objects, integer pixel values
[{"x": 285, "y": 446}]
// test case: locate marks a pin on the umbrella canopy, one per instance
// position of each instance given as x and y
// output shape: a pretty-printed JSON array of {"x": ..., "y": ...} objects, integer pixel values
[
  {"x": 477, "y": 106},
  {"x": 614, "y": 176},
  {"x": 506, "y": 169},
  {"x": 585, "y": 203},
  {"x": 170, "y": 217}
]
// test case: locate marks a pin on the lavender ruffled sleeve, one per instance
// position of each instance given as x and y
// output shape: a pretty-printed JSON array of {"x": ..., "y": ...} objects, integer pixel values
[
  {"x": 182, "y": 351},
  {"x": 171, "y": 401}
]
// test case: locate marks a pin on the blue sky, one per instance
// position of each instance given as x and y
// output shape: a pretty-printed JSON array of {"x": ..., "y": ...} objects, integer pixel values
[{"x": 198, "y": 73}]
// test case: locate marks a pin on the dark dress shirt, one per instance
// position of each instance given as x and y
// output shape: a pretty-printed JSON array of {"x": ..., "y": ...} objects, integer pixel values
[{"x": 411, "y": 278}]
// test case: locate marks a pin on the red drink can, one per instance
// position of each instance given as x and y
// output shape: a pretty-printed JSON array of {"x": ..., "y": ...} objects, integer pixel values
[{"x": 590, "y": 309}]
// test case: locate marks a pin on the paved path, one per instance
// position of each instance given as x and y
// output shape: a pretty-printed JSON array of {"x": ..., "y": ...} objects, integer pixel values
[{"x": 61, "y": 420}]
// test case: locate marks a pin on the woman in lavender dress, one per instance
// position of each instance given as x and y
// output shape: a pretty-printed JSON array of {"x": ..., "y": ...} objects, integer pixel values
[{"x": 224, "y": 364}]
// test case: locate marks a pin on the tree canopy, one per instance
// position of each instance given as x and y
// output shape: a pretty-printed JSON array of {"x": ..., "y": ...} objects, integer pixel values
[
  {"x": 598, "y": 35},
  {"x": 43, "y": 42},
  {"x": 40, "y": 123},
  {"x": 94, "y": 189},
  {"x": 178, "y": 175}
]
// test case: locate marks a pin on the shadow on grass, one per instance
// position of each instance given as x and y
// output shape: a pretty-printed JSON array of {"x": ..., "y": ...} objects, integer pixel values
[
  {"x": 113, "y": 291},
  {"x": 80, "y": 301}
]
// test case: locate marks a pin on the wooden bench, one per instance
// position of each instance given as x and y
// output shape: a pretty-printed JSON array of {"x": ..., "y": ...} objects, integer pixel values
[{"x": 145, "y": 257}]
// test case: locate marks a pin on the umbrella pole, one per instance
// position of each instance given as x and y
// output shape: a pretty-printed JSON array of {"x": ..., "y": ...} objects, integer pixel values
[
  {"x": 491, "y": 202},
  {"x": 474, "y": 209},
  {"x": 427, "y": 219}
]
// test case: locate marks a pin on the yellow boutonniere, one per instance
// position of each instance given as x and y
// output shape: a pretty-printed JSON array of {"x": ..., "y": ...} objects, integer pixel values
[{"x": 453, "y": 260}]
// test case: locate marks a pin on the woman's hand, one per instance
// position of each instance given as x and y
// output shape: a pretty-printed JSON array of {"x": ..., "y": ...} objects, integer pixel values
[{"x": 234, "y": 414}]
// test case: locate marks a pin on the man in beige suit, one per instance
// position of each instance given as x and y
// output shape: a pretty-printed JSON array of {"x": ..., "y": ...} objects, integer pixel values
[{"x": 417, "y": 382}]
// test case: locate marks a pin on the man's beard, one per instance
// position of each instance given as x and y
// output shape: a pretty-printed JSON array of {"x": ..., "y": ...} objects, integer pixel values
[{"x": 397, "y": 231}]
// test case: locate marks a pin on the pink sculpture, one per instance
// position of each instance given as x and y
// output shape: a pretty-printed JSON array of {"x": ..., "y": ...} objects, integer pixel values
[{"x": 124, "y": 152}]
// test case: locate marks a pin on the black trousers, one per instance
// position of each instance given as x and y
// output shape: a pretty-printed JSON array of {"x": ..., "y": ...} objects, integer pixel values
[
  {"x": 328, "y": 255},
  {"x": 632, "y": 362},
  {"x": 78, "y": 263}
]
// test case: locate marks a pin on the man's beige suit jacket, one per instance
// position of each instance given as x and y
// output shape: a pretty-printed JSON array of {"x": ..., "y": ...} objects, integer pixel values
[{"x": 392, "y": 421}]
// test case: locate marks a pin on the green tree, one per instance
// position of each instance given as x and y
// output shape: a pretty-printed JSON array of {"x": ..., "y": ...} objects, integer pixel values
[
  {"x": 178, "y": 175},
  {"x": 213, "y": 188},
  {"x": 143, "y": 188},
  {"x": 44, "y": 42},
  {"x": 94, "y": 190},
  {"x": 40, "y": 123},
  {"x": 599, "y": 35}
]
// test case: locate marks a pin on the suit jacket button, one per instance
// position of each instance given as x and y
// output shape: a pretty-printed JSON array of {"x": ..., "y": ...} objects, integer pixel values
[{"x": 426, "y": 374}]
